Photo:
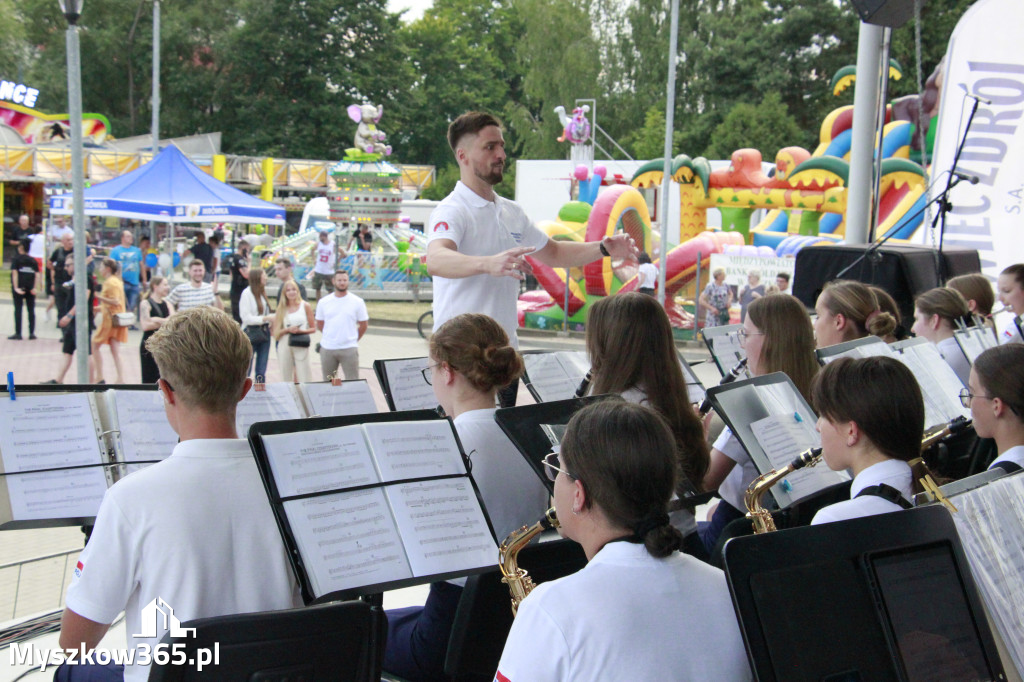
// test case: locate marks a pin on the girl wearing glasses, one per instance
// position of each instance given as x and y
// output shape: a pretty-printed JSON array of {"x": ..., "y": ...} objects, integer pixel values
[
  {"x": 777, "y": 337},
  {"x": 995, "y": 394},
  {"x": 633, "y": 353},
  {"x": 639, "y": 610},
  {"x": 937, "y": 313},
  {"x": 871, "y": 420},
  {"x": 470, "y": 360},
  {"x": 848, "y": 310}
]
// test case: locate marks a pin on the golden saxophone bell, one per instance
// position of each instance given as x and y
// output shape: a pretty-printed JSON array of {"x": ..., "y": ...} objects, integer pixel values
[
  {"x": 758, "y": 515},
  {"x": 518, "y": 580}
]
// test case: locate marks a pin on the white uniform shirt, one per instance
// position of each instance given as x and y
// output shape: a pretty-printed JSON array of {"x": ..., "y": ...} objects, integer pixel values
[
  {"x": 628, "y": 616},
  {"x": 37, "y": 245},
  {"x": 742, "y": 475},
  {"x": 1014, "y": 454},
  {"x": 954, "y": 356},
  {"x": 648, "y": 276},
  {"x": 195, "y": 530},
  {"x": 892, "y": 472},
  {"x": 481, "y": 228},
  {"x": 512, "y": 491},
  {"x": 325, "y": 257},
  {"x": 249, "y": 312},
  {"x": 341, "y": 315}
]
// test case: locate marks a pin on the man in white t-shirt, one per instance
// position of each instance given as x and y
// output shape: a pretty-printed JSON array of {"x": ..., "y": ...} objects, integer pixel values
[
  {"x": 194, "y": 535},
  {"x": 478, "y": 240},
  {"x": 325, "y": 255},
  {"x": 343, "y": 319}
]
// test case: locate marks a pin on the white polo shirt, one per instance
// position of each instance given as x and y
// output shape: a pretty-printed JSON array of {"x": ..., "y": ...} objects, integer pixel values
[
  {"x": 195, "y": 530},
  {"x": 481, "y": 228},
  {"x": 1014, "y": 454},
  {"x": 341, "y": 315},
  {"x": 735, "y": 485},
  {"x": 892, "y": 472},
  {"x": 325, "y": 257},
  {"x": 628, "y": 616}
]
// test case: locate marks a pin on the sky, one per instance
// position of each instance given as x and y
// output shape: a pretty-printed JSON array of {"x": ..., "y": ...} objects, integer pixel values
[{"x": 415, "y": 7}]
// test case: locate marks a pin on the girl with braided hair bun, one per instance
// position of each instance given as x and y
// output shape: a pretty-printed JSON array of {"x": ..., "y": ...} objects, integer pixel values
[{"x": 640, "y": 609}]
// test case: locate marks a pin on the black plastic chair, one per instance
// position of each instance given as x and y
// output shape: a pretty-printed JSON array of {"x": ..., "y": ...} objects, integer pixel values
[
  {"x": 340, "y": 641},
  {"x": 484, "y": 616}
]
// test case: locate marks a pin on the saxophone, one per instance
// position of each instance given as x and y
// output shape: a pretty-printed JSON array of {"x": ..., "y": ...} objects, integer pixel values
[
  {"x": 758, "y": 515},
  {"x": 518, "y": 580}
]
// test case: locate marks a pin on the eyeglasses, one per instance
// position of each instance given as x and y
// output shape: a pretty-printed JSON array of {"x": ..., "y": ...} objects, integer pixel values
[
  {"x": 743, "y": 334},
  {"x": 966, "y": 397},
  {"x": 554, "y": 467},
  {"x": 426, "y": 373}
]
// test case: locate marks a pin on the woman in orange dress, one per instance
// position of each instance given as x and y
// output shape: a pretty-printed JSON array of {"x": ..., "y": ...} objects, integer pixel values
[{"x": 111, "y": 300}]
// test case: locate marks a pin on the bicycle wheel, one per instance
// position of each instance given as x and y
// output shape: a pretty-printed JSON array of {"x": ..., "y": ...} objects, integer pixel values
[{"x": 425, "y": 325}]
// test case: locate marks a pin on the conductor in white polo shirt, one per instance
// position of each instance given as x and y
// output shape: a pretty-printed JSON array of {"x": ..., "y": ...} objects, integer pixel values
[
  {"x": 343, "y": 319},
  {"x": 478, "y": 239}
]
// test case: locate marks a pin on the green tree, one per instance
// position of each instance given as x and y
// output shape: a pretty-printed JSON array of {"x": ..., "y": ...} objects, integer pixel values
[
  {"x": 767, "y": 127},
  {"x": 648, "y": 142},
  {"x": 14, "y": 52}
]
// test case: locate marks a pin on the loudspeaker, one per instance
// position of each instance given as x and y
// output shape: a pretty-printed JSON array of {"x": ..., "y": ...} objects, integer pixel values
[
  {"x": 891, "y": 13},
  {"x": 903, "y": 270}
]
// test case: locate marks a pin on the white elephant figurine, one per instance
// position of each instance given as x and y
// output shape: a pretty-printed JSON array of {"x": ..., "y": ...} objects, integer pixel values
[{"x": 369, "y": 138}]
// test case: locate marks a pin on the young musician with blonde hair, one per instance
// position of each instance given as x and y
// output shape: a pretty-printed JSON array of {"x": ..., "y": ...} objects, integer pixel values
[
  {"x": 848, "y": 310},
  {"x": 995, "y": 396},
  {"x": 937, "y": 313},
  {"x": 871, "y": 420},
  {"x": 471, "y": 358},
  {"x": 639, "y": 610},
  {"x": 633, "y": 353},
  {"x": 776, "y": 337}
]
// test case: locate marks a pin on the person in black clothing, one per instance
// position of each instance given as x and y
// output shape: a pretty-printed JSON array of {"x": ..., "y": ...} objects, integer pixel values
[
  {"x": 364, "y": 238},
  {"x": 17, "y": 233},
  {"x": 59, "y": 274},
  {"x": 204, "y": 252},
  {"x": 238, "y": 266},
  {"x": 67, "y": 320},
  {"x": 154, "y": 311},
  {"x": 24, "y": 273}
]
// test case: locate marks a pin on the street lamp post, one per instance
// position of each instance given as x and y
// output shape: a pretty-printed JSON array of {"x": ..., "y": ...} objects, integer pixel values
[{"x": 72, "y": 10}]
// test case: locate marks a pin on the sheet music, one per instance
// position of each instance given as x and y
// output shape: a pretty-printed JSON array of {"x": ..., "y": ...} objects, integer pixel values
[
  {"x": 327, "y": 400},
  {"x": 310, "y": 461},
  {"x": 275, "y": 403},
  {"x": 48, "y": 431},
  {"x": 694, "y": 389},
  {"x": 940, "y": 386},
  {"x": 782, "y": 438},
  {"x": 876, "y": 347},
  {"x": 56, "y": 494},
  {"x": 347, "y": 540},
  {"x": 144, "y": 432},
  {"x": 557, "y": 375},
  {"x": 974, "y": 341},
  {"x": 445, "y": 529},
  {"x": 414, "y": 449},
  {"x": 728, "y": 350},
  {"x": 990, "y": 522},
  {"x": 405, "y": 383}
]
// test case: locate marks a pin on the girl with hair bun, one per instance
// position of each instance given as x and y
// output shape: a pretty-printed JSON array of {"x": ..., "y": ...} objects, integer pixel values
[
  {"x": 848, "y": 310},
  {"x": 937, "y": 313},
  {"x": 639, "y": 610},
  {"x": 470, "y": 360},
  {"x": 887, "y": 304},
  {"x": 995, "y": 396}
]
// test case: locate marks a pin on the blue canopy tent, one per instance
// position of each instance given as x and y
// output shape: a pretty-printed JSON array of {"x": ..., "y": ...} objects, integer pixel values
[{"x": 172, "y": 189}]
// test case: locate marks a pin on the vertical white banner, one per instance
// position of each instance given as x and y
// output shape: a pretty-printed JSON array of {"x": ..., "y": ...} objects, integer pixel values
[{"x": 985, "y": 58}]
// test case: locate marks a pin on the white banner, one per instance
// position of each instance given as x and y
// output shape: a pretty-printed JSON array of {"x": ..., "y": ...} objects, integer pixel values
[{"x": 986, "y": 59}]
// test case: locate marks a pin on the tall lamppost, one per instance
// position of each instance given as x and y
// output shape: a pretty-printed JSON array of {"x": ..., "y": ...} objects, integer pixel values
[{"x": 72, "y": 10}]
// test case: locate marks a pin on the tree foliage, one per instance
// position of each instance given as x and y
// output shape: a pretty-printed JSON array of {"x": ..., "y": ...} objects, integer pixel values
[{"x": 769, "y": 123}]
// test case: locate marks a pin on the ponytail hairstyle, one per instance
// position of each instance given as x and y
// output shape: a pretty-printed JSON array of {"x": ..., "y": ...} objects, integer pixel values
[
  {"x": 878, "y": 393},
  {"x": 945, "y": 302},
  {"x": 975, "y": 287},
  {"x": 859, "y": 306},
  {"x": 154, "y": 282},
  {"x": 1017, "y": 272},
  {"x": 1000, "y": 371},
  {"x": 624, "y": 455},
  {"x": 887, "y": 304},
  {"x": 476, "y": 346},
  {"x": 630, "y": 344}
]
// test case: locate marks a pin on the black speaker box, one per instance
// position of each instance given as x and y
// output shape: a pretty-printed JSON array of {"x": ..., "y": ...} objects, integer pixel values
[
  {"x": 903, "y": 270},
  {"x": 891, "y": 13}
]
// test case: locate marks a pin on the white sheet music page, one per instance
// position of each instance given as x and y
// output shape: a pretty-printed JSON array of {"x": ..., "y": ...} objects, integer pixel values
[
  {"x": 414, "y": 449},
  {"x": 975, "y": 341},
  {"x": 549, "y": 377},
  {"x": 49, "y": 432},
  {"x": 408, "y": 389},
  {"x": 443, "y": 526},
  {"x": 728, "y": 350},
  {"x": 782, "y": 438},
  {"x": 876, "y": 348},
  {"x": 145, "y": 433},
  {"x": 277, "y": 402},
  {"x": 310, "y": 461},
  {"x": 327, "y": 400},
  {"x": 347, "y": 540},
  {"x": 940, "y": 386}
]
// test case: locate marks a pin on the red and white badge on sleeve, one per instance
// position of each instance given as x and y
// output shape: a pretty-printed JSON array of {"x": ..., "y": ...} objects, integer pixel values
[
  {"x": 498, "y": 677},
  {"x": 441, "y": 227}
]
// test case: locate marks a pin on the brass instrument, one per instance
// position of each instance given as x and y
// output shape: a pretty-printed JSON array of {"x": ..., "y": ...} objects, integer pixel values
[
  {"x": 939, "y": 432},
  {"x": 758, "y": 515},
  {"x": 518, "y": 580}
]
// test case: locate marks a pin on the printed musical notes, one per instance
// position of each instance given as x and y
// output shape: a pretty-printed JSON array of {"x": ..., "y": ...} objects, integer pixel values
[
  {"x": 408, "y": 389},
  {"x": 327, "y": 400},
  {"x": 556, "y": 375}
]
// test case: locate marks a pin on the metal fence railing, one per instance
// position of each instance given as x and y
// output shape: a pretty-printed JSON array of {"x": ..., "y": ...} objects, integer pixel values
[{"x": 36, "y": 584}]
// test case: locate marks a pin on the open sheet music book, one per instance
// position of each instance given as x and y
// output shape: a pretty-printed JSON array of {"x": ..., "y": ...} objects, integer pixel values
[
  {"x": 988, "y": 521},
  {"x": 554, "y": 375},
  {"x": 867, "y": 347},
  {"x": 327, "y": 400},
  {"x": 376, "y": 505},
  {"x": 939, "y": 384},
  {"x": 403, "y": 383},
  {"x": 774, "y": 424},
  {"x": 139, "y": 424},
  {"x": 975, "y": 340},
  {"x": 725, "y": 346}
]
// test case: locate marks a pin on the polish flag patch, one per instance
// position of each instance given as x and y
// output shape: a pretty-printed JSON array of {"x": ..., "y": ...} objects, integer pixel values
[
  {"x": 498, "y": 677},
  {"x": 79, "y": 567}
]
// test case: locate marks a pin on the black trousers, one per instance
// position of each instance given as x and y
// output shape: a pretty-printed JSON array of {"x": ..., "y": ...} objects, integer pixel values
[{"x": 30, "y": 301}]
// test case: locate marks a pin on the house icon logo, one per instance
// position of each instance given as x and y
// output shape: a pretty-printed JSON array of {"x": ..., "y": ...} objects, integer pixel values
[{"x": 157, "y": 617}]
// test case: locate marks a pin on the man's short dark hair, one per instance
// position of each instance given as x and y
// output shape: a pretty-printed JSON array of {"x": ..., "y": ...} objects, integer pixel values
[
  {"x": 284, "y": 261},
  {"x": 470, "y": 123},
  {"x": 341, "y": 272},
  {"x": 783, "y": 275}
]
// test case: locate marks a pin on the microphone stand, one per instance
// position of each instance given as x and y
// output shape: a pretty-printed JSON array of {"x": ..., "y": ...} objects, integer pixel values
[
  {"x": 945, "y": 207},
  {"x": 871, "y": 250}
]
